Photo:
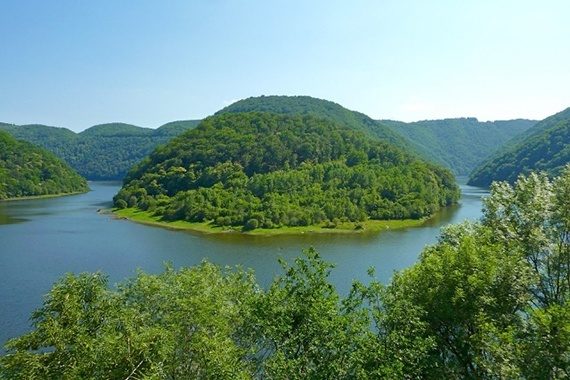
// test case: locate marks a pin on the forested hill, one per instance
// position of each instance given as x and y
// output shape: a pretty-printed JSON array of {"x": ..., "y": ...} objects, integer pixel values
[
  {"x": 266, "y": 170},
  {"x": 306, "y": 105},
  {"x": 27, "y": 170},
  {"x": 546, "y": 147},
  {"x": 459, "y": 144},
  {"x": 102, "y": 152}
]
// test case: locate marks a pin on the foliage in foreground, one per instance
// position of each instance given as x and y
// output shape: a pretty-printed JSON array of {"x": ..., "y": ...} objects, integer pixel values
[{"x": 489, "y": 300}]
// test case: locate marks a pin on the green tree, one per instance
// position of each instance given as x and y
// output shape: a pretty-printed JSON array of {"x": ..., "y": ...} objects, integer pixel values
[
  {"x": 180, "y": 324},
  {"x": 304, "y": 331},
  {"x": 454, "y": 313},
  {"x": 533, "y": 216}
]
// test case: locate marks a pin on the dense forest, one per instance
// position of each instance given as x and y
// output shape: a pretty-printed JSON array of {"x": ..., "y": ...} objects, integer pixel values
[
  {"x": 102, "y": 152},
  {"x": 489, "y": 300},
  {"x": 108, "y": 151},
  {"x": 26, "y": 170},
  {"x": 306, "y": 105},
  {"x": 545, "y": 147},
  {"x": 261, "y": 170},
  {"x": 459, "y": 144}
]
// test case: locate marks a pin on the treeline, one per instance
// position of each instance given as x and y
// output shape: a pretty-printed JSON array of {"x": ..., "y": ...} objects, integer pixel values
[
  {"x": 102, "y": 152},
  {"x": 26, "y": 170},
  {"x": 545, "y": 147},
  {"x": 489, "y": 300},
  {"x": 265, "y": 170}
]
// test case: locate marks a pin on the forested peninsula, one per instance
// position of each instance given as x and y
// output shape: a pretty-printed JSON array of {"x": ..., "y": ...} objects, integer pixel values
[
  {"x": 544, "y": 147},
  {"x": 258, "y": 170},
  {"x": 29, "y": 171}
]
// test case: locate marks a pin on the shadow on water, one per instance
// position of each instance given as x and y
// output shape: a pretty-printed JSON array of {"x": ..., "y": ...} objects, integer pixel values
[
  {"x": 442, "y": 217},
  {"x": 7, "y": 219}
]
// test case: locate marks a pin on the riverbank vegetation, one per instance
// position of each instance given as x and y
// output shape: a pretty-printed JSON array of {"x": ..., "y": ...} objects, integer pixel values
[
  {"x": 29, "y": 171},
  {"x": 367, "y": 226},
  {"x": 488, "y": 300},
  {"x": 261, "y": 170}
]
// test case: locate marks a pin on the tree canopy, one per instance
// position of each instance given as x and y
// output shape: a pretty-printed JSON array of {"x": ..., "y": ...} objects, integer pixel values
[
  {"x": 544, "y": 147},
  {"x": 265, "y": 170},
  {"x": 325, "y": 109},
  {"x": 27, "y": 170}
]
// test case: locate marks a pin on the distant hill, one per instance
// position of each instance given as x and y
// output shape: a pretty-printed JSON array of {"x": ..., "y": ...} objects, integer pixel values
[
  {"x": 27, "y": 170},
  {"x": 459, "y": 144},
  {"x": 306, "y": 105},
  {"x": 102, "y": 152},
  {"x": 115, "y": 130},
  {"x": 257, "y": 169},
  {"x": 175, "y": 128},
  {"x": 545, "y": 147}
]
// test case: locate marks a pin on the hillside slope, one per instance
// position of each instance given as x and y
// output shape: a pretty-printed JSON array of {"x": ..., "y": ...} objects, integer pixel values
[
  {"x": 27, "y": 170},
  {"x": 545, "y": 147},
  {"x": 306, "y": 105},
  {"x": 267, "y": 170},
  {"x": 459, "y": 144},
  {"x": 102, "y": 152}
]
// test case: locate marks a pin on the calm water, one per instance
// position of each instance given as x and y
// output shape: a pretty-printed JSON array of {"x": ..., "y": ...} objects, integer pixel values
[{"x": 40, "y": 240}]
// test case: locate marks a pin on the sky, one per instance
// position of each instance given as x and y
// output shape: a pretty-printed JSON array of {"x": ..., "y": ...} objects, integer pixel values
[{"x": 75, "y": 64}]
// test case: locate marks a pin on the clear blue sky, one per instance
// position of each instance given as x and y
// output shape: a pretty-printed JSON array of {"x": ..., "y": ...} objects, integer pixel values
[{"x": 79, "y": 63}]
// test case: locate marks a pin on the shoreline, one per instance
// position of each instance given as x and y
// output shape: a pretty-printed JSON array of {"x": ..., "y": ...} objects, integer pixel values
[
  {"x": 370, "y": 226},
  {"x": 45, "y": 196}
]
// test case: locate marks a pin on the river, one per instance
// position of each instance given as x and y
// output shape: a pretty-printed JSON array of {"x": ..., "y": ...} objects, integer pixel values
[{"x": 42, "y": 239}]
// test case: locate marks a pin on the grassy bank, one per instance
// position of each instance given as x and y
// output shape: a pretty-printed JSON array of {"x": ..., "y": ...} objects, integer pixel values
[
  {"x": 368, "y": 226},
  {"x": 42, "y": 196}
]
